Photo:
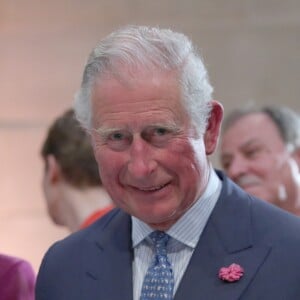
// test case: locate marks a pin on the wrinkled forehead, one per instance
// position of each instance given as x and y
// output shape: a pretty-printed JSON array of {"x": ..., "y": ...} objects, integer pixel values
[
  {"x": 151, "y": 94},
  {"x": 142, "y": 85},
  {"x": 251, "y": 122}
]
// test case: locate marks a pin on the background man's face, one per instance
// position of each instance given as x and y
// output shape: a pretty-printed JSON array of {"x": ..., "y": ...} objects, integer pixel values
[{"x": 255, "y": 157}]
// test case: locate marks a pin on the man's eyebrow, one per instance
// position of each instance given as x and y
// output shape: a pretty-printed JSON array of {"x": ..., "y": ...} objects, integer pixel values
[
  {"x": 106, "y": 131},
  {"x": 248, "y": 143},
  {"x": 172, "y": 126}
]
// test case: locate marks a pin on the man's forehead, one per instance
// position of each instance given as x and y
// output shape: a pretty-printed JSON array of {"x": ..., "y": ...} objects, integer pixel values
[{"x": 256, "y": 124}]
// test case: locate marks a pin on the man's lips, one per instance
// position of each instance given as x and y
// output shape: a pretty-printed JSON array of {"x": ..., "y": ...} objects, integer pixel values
[{"x": 150, "y": 188}]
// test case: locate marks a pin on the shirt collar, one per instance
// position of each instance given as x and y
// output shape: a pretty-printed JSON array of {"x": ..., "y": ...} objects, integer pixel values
[{"x": 189, "y": 227}]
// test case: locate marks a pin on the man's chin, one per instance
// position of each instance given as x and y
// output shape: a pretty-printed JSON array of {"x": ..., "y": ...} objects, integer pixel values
[{"x": 158, "y": 221}]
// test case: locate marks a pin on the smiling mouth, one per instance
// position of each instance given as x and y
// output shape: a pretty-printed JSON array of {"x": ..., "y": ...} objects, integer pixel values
[
  {"x": 247, "y": 182},
  {"x": 152, "y": 188}
]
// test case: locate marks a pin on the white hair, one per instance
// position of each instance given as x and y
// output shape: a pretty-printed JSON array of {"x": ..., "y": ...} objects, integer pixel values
[{"x": 153, "y": 49}]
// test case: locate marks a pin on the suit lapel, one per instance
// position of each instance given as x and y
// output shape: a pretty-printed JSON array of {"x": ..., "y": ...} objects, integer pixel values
[
  {"x": 227, "y": 239},
  {"x": 108, "y": 261}
]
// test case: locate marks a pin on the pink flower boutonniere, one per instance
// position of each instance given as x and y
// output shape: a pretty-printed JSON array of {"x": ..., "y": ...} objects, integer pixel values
[{"x": 232, "y": 273}]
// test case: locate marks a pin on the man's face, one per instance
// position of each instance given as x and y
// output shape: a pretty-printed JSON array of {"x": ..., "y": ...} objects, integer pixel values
[
  {"x": 253, "y": 155},
  {"x": 150, "y": 158}
]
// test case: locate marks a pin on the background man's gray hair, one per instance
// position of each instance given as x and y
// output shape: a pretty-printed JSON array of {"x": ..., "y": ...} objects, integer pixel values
[
  {"x": 285, "y": 119},
  {"x": 153, "y": 50}
]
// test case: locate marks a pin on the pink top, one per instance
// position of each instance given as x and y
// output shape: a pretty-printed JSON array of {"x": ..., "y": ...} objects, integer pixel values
[{"x": 17, "y": 279}]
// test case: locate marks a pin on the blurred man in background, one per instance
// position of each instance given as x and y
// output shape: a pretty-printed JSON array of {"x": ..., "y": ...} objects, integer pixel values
[
  {"x": 71, "y": 183},
  {"x": 260, "y": 151}
]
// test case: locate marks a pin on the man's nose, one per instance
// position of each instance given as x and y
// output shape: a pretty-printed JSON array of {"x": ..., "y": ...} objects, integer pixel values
[{"x": 141, "y": 162}]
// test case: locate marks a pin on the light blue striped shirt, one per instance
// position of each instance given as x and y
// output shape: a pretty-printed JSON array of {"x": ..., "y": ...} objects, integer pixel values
[{"x": 185, "y": 234}]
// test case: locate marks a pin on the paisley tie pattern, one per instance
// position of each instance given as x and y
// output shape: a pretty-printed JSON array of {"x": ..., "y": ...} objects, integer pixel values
[{"x": 159, "y": 280}]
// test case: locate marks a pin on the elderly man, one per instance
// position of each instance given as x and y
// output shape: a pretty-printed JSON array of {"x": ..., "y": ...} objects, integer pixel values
[
  {"x": 260, "y": 151},
  {"x": 180, "y": 230}
]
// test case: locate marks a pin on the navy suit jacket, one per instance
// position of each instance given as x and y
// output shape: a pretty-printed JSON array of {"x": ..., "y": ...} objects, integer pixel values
[{"x": 96, "y": 263}]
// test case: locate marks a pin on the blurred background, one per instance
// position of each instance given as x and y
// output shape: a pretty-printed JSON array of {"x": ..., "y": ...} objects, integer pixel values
[{"x": 251, "y": 49}]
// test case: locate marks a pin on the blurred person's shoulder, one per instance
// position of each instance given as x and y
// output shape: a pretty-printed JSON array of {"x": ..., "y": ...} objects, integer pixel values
[{"x": 105, "y": 226}]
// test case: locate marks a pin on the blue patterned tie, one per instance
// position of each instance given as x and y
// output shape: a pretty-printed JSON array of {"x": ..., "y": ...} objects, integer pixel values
[{"x": 159, "y": 280}]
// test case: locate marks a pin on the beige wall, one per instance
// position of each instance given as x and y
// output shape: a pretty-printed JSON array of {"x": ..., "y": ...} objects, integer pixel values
[{"x": 251, "y": 49}]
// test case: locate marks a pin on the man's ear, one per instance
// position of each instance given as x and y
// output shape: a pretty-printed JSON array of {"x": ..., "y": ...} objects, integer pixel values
[
  {"x": 212, "y": 132},
  {"x": 53, "y": 169}
]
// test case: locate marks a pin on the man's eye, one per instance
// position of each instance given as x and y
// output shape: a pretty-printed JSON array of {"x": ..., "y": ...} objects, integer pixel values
[
  {"x": 157, "y": 136},
  {"x": 160, "y": 131},
  {"x": 118, "y": 140},
  {"x": 117, "y": 136},
  {"x": 252, "y": 152}
]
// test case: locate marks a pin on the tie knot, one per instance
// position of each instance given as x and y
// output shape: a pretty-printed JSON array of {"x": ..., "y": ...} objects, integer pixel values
[{"x": 160, "y": 240}]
